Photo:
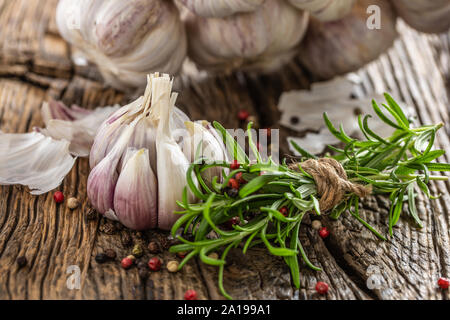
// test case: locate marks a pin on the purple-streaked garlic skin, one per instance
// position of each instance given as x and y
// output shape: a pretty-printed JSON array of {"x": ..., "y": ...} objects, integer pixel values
[
  {"x": 325, "y": 10},
  {"x": 135, "y": 196},
  {"x": 430, "y": 16},
  {"x": 261, "y": 40},
  {"x": 221, "y": 8},
  {"x": 339, "y": 47}
]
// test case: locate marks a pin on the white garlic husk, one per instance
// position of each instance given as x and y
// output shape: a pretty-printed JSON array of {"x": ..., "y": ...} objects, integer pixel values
[
  {"x": 325, "y": 10},
  {"x": 425, "y": 15},
  {"x": 126, "y": 39},
  {"x": 138, "y": 167},
  {"x": 220, "y": 8},
  {"x": 339, "y": 47},
  {"x": 262, "y": 40}
]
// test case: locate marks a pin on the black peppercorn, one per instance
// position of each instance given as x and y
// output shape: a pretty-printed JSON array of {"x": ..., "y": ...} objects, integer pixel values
[
  {"x": 153, "y": 247},
  {"x": 232, "y": 192},
  {"x": 142, "y": 265},
  {"x": 101, "y": 258},
  {"x": 143, "y": 273},
  {"x": 126, "y": 239},
  {"x": 111, "y": 254},
  {"x": 21, "y": 261}
]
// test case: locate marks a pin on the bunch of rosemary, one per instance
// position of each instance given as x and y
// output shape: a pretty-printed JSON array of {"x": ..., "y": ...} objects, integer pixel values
[{"x": 393, "y": 165}]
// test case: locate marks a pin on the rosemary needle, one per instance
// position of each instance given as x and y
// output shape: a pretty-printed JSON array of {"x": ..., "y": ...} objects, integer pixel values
[{"x": 398, "y": 165}]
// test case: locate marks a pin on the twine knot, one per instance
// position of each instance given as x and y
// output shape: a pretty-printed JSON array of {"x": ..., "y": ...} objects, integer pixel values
[{"x": 332, "y": 182}]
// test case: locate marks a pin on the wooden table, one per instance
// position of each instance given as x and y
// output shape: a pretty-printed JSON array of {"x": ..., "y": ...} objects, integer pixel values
[{"x": 35, "y": 65}]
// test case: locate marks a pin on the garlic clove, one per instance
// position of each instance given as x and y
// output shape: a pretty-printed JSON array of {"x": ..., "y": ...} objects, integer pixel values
[
  {"x": 253, "y": 41},
  {"x": 325, "y": 10},
  {"x": 34, "y": 160},
  {"x": 424, "y": 15},
  {"x": 135, "y": 196},
  {"x": 221, "y": 8},
  {"x": 339, "y": 47}
]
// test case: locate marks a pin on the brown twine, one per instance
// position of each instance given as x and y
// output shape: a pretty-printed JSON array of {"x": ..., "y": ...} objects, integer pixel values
[{"x": 331, "y": 181}]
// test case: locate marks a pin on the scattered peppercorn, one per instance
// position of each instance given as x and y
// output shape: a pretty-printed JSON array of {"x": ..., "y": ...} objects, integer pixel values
[
  {"x": 91, "y": 215},
  {"x": 153, "y": 247},
  {"x": 213, "y": 255},
  {"x": 142, "y": 265},
  {"x": 284, "y": 211},
  {"x": 127, "y": 262},
  {"x": 235, "y": 165},
  {"x": 233, "y": 184},
  {"x": 172, "y": 266},
  {"x": 154, "y": 264},
  {"x": 111, "y": 254},
  {"x": 190, "y": 295},
  {"x": 58, "y": 196},
  {"x": 316, "y": 225},
  {"x": 101, "y": 258},
  {"x": 143, "y": 273},
  {"x": 239, "y": 178},
  {"x": 324, "y": 233},
  {"x": 22, "y": 261},
  {"x": 443, "y": 283},
  {"x": 137, "y": 251},
  {"x": 107, "y": 227},
  {"x": 73, "y": 203},
  {"x": 231, "y": 192},
  {"x": 126, "y": 239},
  {"x": 232, "y": 222},
  {"x": 181, "y": 254},
  {"x": 321, "y": 287},
  {"x": 243, "y": 115}
]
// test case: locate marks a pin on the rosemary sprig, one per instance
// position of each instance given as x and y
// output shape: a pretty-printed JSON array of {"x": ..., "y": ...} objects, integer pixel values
[{"x": 397, "y": 165}]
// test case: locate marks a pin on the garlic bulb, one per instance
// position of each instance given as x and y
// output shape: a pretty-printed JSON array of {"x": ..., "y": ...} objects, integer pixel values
[
  {"x": 338, "y": 47},
  {"x": 425, "y": 15},
  {"x": 138, "y": 167},
  {"x": 325, "y": 10},
  {"x": 126, "y": 39},
  {"x": 261, "y": 40},
  {"x": 220, "y": 8}
]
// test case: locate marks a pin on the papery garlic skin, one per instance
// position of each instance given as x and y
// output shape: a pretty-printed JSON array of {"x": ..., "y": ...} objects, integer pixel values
[
  {"x": 34, "y": 160},
  {"x": 126, "y": 39},
  {"x": 325, "y": 10},
  {"x": 431, "y": 16},
  {"x": 221, "y": 8},
  {"x": 335, "y": 48},
  {"x": 262, "y": 40},
  {"x": 136, "y": 192}
]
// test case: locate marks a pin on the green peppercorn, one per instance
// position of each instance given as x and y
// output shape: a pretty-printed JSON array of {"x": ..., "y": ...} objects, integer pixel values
[{"x": 137, "y": 251}]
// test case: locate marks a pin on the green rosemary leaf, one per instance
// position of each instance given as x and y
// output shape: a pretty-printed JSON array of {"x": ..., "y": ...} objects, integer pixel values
[
  {"x": 423, "y": 187},
  {"x": 425, "y": 141},
  {"x": 316, "y": 205},
  {"x": 382, "y": 117},
  {"x": 338, "y": 210},
  {"x": 282, "y": 252},
  {"x": 231, "y": 144},
  {"x": 412, "y": 205},
  {"x": 256, "y": 184},
  {"x": 334, "y": 131},
  {"x": 192, "y": 185},
  {"x": 396, "y": 108},
  {"x": 251, "y": 143},
  {"x": 371, "y": 133},
  {"x": 293, "y": 261},
  {"x": 430, "y": 156},
  {"x": 302, "y": 151}
]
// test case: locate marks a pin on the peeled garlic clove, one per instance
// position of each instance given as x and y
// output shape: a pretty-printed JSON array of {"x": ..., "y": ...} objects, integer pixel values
[
  {"x": 221, "y": 8},
  {"x": 135, "y": 196},
  {"x": 126, "y": 39},
  {"x": 338, "y": 47},
  {"x": 172, "y": 164},
  {"x": 325, "y": 10},
  {"x": 425, "y": 15},
  {"x": 261, "y": 40},
  {"x": 34, "y": 160}
]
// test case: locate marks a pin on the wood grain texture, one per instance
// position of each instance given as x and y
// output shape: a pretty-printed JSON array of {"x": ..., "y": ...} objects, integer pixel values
[{"x": 35, "y": 65}]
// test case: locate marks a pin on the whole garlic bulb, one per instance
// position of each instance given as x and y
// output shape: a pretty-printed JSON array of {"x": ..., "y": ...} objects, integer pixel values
[
  {"x": 425, "y": 15},
  {"x": 220, "y": 8},
  {"x": 334, "y": 48},
  {"x": 138, "y": 168},
  {"x": 325, "y": 10},
  {"x": 262, "y": 40},
  {"x": 126, "y": 39}
]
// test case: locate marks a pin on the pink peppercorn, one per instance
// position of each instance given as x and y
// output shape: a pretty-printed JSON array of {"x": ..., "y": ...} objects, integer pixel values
[
  {"x": 127, "y": 263},
  {"x": 321, "y": 287},
  {"x": 239, "y": 178},
  {"x": 235, "y": 165},
  {"x": 324, "y": 233},
  {"x": 58, "y": 196},
  {"x": 443, "y": 283},
  {"x": 154, "y": 264},
  {"x": 232, "y": 183},
  {"x": 243, "y": 115},
  {"x": 190, "y": 295},
  {"x": 284, "y": 211}
]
